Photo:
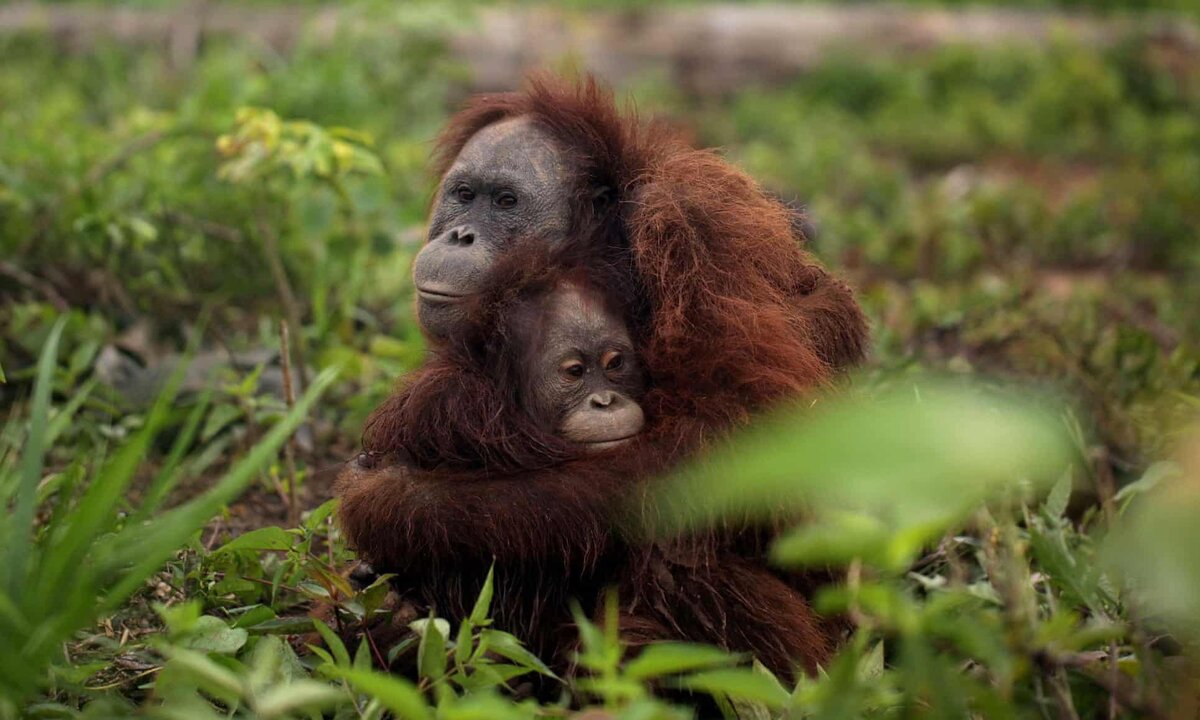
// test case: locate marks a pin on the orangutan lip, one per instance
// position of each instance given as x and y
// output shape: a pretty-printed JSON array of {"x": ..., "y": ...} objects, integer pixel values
[
  {"x": 437, "y": 295},
  {"x": 605, "y": 444}
]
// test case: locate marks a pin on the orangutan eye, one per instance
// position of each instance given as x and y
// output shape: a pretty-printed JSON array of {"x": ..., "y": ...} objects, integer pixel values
[
  {"x": 614, "y": 361},
  {"x": 506, "y": 201},
  {"x": 572, "y": 369},
  {"x": 464, "y": 194}
]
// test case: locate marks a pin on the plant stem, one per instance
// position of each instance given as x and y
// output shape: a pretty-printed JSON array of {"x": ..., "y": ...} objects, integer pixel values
[{"x": 289, "y": 451}]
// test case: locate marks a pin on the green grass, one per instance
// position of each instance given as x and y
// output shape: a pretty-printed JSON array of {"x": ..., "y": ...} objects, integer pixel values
[{"x": 1024, "y": 223}]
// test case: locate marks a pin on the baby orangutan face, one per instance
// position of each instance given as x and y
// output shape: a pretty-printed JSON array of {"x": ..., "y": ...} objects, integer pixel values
[{"x": 582, "y": 378}]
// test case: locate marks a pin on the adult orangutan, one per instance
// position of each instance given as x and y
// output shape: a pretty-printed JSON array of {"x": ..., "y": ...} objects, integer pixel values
[{"x": 725, "y": 313}]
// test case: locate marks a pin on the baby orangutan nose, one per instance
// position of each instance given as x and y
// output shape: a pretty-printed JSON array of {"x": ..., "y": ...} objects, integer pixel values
[
  {"x": 602, "y": 400},
  {"x": 608, "y": 419}
]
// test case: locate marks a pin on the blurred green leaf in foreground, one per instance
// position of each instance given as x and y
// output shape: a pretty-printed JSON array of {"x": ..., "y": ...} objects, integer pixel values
[
  {"x": 1156, "y": 544},
  {"x": 878, "y": 478}
]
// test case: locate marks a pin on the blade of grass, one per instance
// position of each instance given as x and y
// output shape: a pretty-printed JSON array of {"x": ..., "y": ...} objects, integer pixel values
[
  {"x": 33, "y": 460},
  {"x": 74, "y": 473},
  {"x": 168, "y": 476},
  {"x": 94, "y": 512},
  {"x": 66, "y": 413}
]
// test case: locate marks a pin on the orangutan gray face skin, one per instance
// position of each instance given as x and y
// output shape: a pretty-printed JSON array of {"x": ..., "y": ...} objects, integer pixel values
[
  {"x": 582, "y": 376},
  {"x": 510, "y": 181}
]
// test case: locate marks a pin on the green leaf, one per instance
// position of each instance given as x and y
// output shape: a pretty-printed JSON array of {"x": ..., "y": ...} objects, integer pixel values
[
  {"x": 837, "y": 538},
  {"x": 301, "y": 695},
  {"x": 362, "y": 656},
  {"x": 142, "y": 228},
  {"x": 191, "y": 708},
  {"x": 870, "y": 666},
  {"x": 293, "y": 625},
  {"x": 33, "y": 457},
  {"x": 397, "y": 694},
  {"x": 220, "y": 416},
  {"x": 330, "y": 662},
  {"x": 399, "y": 648},
  {"x": 254, "y": 615},
  {"x": 318, "y": 516},
  {"x": 672, "y": 658},
  {"x": 1154, "y": 548},
  {"x": 211, "y": 634},
  {"x": 265, "y": 660},
  {"x": 431, "y": 655},
  {"x": 483, "y": 604},
  {"x": 509, "y": 647},
  {"x": 333, "y": 642},
  {"x": 374, "y": 595},
  {"x": 489, "y": 706},
  {"x": 1060, "y": 495},
  {"x": 738, "y": 684},
  {"x": 1078, "y": 580},
  {"x": 1155, "y": 474},
  {"x": 66, "y": 413},
  {"x": 180, "y": 618},
  {"x": 419, "y": 626},
  {"x": 214, "y": 678},
  {"x": 917, "y": 462},
  {"x": 594, "y": 653},
  {"x": 490, "y": 675},
  {"x": 268, "y": 538},
  {"x": 958, "y": 619},
  {"x": 462, "y": 643}
]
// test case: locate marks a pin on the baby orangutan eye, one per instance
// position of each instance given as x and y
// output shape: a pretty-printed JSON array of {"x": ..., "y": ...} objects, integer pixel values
[
  {"x": 506, "y": 201},
  {"x": 612, "y": 360},
  {"x": 572, "y": 369}
]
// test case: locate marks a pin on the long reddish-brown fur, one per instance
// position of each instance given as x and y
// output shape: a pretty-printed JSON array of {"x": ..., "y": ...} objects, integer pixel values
[
  {"x": 730, "y": 600},
  {"x": 729, "y": 314},
  {"x": 715, "y": 255}
]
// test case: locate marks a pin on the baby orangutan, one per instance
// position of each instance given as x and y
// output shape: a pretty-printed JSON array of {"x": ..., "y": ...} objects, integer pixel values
[
  {"x": 497, "y": 431},
  {"x": 544, "y": 371},
  {"x": 580, "y": 377}
]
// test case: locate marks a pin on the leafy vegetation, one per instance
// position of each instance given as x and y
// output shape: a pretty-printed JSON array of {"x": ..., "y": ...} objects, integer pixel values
[{"x": 1015, "y": 536}]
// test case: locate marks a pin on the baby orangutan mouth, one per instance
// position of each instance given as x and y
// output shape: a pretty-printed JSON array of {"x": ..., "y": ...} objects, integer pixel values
[
  {"x": 601, "y": 446},
  {"x": 607, "y": 420}
]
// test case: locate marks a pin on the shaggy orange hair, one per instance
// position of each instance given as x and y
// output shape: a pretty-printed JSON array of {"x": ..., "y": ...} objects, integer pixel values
[{"x": 729, "y": 315}]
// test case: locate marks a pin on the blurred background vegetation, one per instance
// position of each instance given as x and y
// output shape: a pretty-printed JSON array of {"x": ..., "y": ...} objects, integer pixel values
[{"x": 1020, "y": 214}]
